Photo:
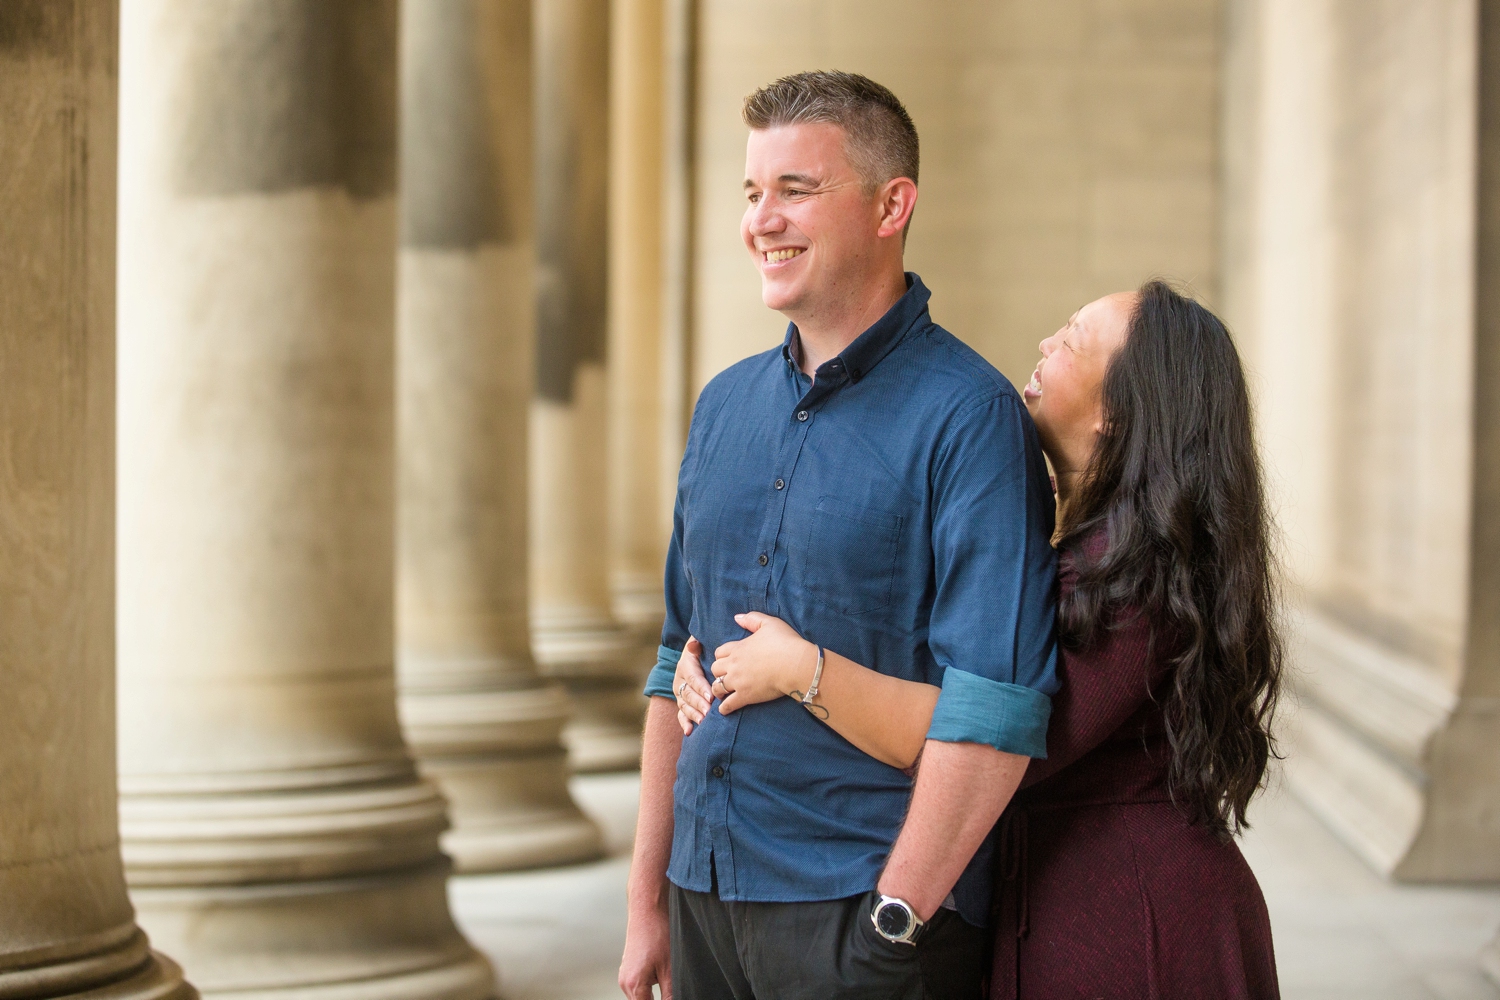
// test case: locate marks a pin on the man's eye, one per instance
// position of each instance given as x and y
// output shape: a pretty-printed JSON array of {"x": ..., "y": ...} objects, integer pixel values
[{"x": 753, "y": 198}]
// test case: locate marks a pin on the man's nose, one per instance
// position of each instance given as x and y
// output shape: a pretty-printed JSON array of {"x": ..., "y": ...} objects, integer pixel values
[{"x": 765, "y": 218}]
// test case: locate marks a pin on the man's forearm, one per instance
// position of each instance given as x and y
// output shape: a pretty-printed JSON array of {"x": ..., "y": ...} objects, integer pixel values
[
  {"x": 961, "y": 790},
  {"x": 660, "y": 746}
]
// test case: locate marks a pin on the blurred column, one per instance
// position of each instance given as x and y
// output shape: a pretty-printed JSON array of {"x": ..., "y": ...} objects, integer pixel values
[
  {"x": 575, "y": 635},
  {"x": 480, "y": 719},
  {"x": 66, "y": 927},
  {"x": 277, "y": 838},
  {"x": 679, "y": 171},
  {"x": 1361, "y": 269},
  {"x": 640, "y": 519}
]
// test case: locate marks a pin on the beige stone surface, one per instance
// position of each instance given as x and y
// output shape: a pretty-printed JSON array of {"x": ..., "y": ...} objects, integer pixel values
[
  {"x": 276, "y": 835},
  {"x": 1069, "y": 149},
  {"x": 480, "y": 719},
  {"x": 1350, "y": 264},
  {"x": 66, "y": 925},
  {"x": 574, "y": 633}
]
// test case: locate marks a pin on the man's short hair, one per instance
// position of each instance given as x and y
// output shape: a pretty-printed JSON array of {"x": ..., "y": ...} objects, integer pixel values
[{"x": 882, "y": 141}]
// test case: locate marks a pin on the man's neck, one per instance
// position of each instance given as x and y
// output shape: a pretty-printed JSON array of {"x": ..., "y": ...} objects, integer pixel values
[{"x": 823, "y": 334}]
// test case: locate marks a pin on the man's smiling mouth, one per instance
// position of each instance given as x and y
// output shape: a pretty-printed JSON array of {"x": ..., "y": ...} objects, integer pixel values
[{"x": 774, "y": 256}]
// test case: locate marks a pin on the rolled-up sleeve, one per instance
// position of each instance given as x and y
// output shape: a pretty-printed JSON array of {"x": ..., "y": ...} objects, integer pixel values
[{"x": 992, "y": 617}]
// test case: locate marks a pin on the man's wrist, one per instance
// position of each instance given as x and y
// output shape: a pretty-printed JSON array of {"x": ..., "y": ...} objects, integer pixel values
[
  {"x": 650, "y": 897},
  {"x": 920, "y": 902}
]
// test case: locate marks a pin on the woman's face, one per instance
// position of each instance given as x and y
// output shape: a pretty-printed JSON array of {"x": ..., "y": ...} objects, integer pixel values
[{"x": 1064, "y": 392}]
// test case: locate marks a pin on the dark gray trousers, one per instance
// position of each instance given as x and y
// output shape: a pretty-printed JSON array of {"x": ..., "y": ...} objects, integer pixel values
[{"x": 726, "y": 950}]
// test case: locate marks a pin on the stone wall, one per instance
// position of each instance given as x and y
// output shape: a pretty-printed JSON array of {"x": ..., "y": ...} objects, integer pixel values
[{"x": 1069, "y": 149}]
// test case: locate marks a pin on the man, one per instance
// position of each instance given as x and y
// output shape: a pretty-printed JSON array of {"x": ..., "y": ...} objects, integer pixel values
[{"x": 878, "y": 486}]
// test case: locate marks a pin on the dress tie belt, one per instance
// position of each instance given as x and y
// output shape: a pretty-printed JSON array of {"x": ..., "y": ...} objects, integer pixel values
[{"x": 1009, "y": 913}]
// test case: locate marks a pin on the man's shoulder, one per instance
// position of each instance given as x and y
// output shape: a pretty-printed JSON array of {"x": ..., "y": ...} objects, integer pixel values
[
  {"x": 963, "y": 376},
  {"x": 747, "y": 372}
]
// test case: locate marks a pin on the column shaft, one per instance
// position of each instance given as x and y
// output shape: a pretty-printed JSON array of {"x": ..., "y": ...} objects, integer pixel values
[
  {"x": 575, "y": 636},
  {"x": 640, "y": 519},
  {"x": 66, "y": 925},
  {"x": 482, "y": 722},
  {"x": 276, "y": 834}
]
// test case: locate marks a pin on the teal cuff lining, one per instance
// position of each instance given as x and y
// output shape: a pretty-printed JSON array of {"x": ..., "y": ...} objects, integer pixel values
[
  {"x": 659, "y": 683},
  {"x": 974, "y": 709}
]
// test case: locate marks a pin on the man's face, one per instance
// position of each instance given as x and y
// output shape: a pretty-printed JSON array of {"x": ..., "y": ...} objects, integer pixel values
[{"x": 809, "y": 221}]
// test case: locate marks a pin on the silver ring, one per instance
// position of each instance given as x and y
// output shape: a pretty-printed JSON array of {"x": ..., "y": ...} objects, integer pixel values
[{"x": 681, "y": 688}]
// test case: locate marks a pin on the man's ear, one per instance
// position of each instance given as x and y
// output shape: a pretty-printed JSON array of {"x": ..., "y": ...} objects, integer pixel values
[{"x": 897, "y": 199}]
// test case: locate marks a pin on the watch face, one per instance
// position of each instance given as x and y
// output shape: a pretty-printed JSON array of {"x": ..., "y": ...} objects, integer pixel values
[{"x": 892, "y": 920}]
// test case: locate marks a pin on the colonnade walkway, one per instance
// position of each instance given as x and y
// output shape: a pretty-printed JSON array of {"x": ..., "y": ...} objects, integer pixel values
[{"x": 1342, "y": 932}]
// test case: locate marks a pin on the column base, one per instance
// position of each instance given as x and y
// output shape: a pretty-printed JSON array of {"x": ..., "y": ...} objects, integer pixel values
[
  {"x": 511, "y": 813},
  {"x": 115, "y": 965},
  {"x": 160, "y": 979},
  {"x": 376, "y": 937},
  {"x": 605, "y": 731}
]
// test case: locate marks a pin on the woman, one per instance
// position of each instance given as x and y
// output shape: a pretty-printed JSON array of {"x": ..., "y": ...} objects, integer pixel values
[{"x": 1117, "y": 874}]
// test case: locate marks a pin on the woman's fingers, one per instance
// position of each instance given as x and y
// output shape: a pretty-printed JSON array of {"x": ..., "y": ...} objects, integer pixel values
[
  {"x": 750, "y": 621},
  {"x": 732, "y": 703},
  {"x": 720, "y": 667},
  {"x": 682, "y": 720},
  {"x": 693, "y": 646}
]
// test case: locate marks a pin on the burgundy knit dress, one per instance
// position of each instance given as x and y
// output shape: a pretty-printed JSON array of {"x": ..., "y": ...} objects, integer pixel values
[{"x": 1103, "y": 888}]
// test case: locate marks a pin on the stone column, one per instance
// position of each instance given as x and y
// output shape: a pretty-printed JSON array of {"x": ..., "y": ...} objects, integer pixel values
[
  {"x": 481, "y": 721},
  {"x": 1359, "y": 278},
  {"x": 66, "y": 927},
  {"x": 574, "y": 633},
  {"x": 678, "y": 246},
  {"x": 640, "y": 521},
  {"x": 276, "y": 835}
]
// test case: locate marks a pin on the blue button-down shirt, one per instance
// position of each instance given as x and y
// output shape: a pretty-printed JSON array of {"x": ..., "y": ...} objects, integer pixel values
[{"x": 895, "y": 509}]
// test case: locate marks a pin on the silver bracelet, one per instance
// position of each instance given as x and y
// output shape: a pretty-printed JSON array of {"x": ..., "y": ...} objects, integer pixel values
[{"x": 812, "y": 689}]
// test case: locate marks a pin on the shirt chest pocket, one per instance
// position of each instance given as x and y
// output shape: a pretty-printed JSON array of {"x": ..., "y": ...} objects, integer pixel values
[{"x": 851, "y": 555}]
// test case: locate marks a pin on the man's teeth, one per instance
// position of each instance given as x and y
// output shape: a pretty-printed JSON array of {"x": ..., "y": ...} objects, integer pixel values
[{"x": 786, "y": 254}]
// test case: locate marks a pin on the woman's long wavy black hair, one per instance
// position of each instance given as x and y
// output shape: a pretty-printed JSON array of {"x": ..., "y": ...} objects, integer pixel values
[{"x": 1175, "y": 481}]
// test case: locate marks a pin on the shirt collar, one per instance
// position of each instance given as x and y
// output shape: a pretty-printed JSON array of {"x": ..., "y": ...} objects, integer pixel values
[{"x": 870, "y": 347}]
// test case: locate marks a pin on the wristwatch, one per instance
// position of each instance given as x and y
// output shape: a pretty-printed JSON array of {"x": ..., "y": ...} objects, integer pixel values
[{"x": 896, "y": 921}]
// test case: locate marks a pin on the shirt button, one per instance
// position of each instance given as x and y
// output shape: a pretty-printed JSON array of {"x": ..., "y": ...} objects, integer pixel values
[
  {"x": 763, "y": 559},
  {"x": 802, "y": 415},
  {"x": 718, "y": 771},
  {"x": 780, "y": 484}
]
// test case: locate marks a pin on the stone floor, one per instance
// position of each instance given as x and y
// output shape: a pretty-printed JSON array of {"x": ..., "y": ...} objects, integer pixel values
[{"x": 1341, "y": 932}]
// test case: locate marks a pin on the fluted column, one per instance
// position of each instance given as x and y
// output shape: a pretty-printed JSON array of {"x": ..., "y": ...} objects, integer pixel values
[
  {"x": 575, "y": 635},
  {"x": 482, "y": 722},
  {"x": 640, "y": 498},
  {"x": 66, "y": 927},
  {"x": 277, "y": 838}
]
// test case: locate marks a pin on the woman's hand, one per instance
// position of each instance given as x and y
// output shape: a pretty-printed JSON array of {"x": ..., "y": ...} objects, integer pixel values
[
  {"x": 772, "y": 661},
  {"x": 693, "y": 696}
]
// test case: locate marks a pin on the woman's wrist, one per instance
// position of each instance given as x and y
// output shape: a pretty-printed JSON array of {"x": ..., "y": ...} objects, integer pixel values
[{"x": 800, "y": 672}]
